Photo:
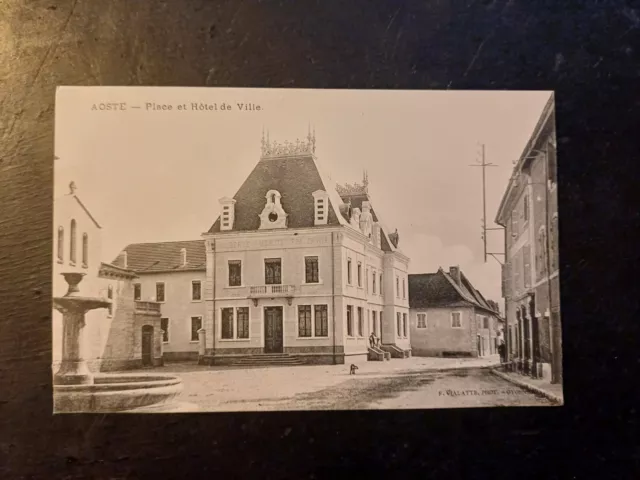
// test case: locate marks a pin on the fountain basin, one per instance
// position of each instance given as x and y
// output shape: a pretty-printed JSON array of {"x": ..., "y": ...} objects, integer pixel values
[{"x": 116, "y": 393}]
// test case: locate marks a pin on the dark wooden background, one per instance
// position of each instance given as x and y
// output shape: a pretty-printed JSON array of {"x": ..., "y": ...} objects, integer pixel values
[{"x": 585, "y": 50}]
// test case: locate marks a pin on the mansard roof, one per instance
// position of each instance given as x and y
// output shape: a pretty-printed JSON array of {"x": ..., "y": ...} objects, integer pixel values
[
  {"x": 163, "y": 257},
  {"x": 295, "y": 178},
  {"x": 439, "y": 289}
]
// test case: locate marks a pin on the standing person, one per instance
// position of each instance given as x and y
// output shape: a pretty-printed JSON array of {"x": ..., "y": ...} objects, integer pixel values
[
  {"x": 372, "y": 339},
  {"x": 502, "y": 351}
]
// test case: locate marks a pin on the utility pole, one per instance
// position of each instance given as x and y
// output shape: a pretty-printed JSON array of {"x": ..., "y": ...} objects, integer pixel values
[{"x": 483, "y": 164}]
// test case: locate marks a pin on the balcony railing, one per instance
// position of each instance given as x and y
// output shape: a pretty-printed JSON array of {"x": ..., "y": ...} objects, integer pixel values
[
  {"x": 148, "y": 307},
  {"x": 258, "y": 291}
]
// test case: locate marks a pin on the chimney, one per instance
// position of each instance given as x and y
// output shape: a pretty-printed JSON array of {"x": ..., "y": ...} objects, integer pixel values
[
  {"x": 228, "y": 213},
  {"x": 124, "y": 259},
  {"x": 455, "y": 274},
  {"x": 183, "y": 255}
]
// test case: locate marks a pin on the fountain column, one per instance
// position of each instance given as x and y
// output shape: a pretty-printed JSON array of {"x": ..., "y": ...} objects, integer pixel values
[{"x": 73, "y": 366}]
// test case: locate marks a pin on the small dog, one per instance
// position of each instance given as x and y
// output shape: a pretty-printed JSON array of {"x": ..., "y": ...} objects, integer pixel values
[{"x": 352, "y": 369}]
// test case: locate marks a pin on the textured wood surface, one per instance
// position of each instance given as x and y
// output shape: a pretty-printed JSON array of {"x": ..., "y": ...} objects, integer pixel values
[{"x": 580, "y": 49}]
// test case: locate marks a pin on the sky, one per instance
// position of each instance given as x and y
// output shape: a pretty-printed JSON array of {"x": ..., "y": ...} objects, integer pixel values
[{"x": 151, "y": 174}]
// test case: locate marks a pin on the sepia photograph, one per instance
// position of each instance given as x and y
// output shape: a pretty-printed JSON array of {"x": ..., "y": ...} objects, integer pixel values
[{"x": 236, "y": 249}]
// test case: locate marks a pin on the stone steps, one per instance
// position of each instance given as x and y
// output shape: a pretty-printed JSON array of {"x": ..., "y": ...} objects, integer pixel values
[{"x": 267, "y": 359}]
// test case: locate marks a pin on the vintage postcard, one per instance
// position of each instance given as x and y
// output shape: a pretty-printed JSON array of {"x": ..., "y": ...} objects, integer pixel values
[{"x": 222, "y": 249}]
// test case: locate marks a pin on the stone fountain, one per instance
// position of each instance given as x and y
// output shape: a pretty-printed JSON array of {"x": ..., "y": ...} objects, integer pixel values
[{"x": 76, "y": 389}]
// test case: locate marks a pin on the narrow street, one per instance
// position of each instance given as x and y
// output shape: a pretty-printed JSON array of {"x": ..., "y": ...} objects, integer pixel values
[{"x": 332, "y": 388}]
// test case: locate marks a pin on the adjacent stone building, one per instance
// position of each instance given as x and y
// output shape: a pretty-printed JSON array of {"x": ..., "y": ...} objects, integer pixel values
[
  {"x": 298, "y": 267},
  {"x": 449, "y": 317},
  {"x": 171, "y": 274},
  {"x": 529, "y": 213},
  {"x": 126, "y": 335}
]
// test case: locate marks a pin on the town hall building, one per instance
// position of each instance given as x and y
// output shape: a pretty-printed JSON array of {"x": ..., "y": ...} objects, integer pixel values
[{"x": 297, "y": 267}]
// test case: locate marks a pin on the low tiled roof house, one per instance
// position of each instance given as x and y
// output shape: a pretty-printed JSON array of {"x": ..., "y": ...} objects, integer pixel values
[
  {"x": 449, "y": 317},
  {"x": 171, "y": 274}
]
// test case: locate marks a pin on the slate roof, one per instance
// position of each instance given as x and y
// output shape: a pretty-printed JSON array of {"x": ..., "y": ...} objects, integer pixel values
[
  {"x": 284, "y": 175},
  {"x": 163, "y": 257},
  {"x": 440, "y": 290}
]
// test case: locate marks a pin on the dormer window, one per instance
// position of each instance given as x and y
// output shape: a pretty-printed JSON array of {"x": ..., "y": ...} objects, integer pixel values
[
  {"x": 273, "y": 215},
  {"x": 228, "y": 213},
  {"x": 320, "y": 207}
]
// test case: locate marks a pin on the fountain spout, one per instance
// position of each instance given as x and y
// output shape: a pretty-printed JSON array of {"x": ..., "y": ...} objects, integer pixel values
[{"x": 73, "y": 306}]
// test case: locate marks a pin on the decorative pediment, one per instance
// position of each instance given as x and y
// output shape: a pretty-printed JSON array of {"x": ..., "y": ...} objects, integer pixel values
[{"x": 273, "y": 215}]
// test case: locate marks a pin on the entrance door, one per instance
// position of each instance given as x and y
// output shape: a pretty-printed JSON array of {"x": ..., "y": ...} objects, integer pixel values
[
  {"x": 273, "y": 330},
  {"x": 479, "y": 346},
  {"x": 147, "y": 346}
]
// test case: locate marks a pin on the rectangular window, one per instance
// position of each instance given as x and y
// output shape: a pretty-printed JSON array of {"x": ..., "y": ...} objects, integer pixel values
[
  {"x": 397, "y": 287},
  {"x": 242, "y": 314},
  {"x": 374, "y": 323},
  {"x": 235, "y": 273},
  {"x": 404, "y": 289},
  {"x": 456, "y": 321},
  {"x": 359, "y": 274},
  {"x": 486, "y": 322},
  {"x": 525, "y": 205},
  {"x": 321, "y": 320},
  {"x": 380, "y": 284},
  {"x": 160, "y": 292},
  {"x": 514, "y": 224},
  {"x": 164, "y": 326},
  {"x": 422, "y": 320},
  {"x": 196, "y": 324},
  {"x": 404, "y": 325},
  {"x": 311, "y": 270},
  {"x": 227, "y": 323},
  {"x": 349, "y": 321},
  {"x": 399, "y": 324},
  {"x": 304, "y": 320},
  {"x": 137, "y": 291},
  {"x": 196, "y": 290},
  {"x": 374, "y": 282},
  {"x": 360, "y": 323},
  {"x": 272, "y": 271},
  {"x": 349, "y": 271}
]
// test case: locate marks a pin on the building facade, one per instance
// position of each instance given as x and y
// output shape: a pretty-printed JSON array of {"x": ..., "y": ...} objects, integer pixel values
[
  {"x": 297, "y": 266},
  {"x": 172, "y": 274},
  {"x": 529, "y": 214},
  {"x": 127, "y": 334},
  {"x": 450, "y": 318}
]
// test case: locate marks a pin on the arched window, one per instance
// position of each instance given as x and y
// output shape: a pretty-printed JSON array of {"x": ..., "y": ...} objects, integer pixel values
[
  {"x": 72, "y": 243},
  {"x": 85, "y": 250},
  {"x": 60, "y": 244}
]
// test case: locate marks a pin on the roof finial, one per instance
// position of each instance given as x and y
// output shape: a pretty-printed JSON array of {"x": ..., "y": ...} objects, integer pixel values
[{"x": 72, "y": 188}]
